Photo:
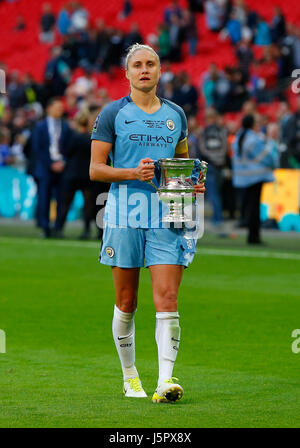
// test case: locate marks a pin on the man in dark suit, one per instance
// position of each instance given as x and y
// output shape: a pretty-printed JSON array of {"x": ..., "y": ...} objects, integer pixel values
[{"x": 49, "y": 142}]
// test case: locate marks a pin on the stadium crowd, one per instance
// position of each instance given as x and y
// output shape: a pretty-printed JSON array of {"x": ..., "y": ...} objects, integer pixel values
[{"x": 70, "y": 97}]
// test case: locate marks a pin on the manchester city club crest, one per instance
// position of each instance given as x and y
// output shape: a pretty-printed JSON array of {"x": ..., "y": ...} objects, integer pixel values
[
  {"x": 170, "y": 125},
  {"x": 110, "y": 251}
]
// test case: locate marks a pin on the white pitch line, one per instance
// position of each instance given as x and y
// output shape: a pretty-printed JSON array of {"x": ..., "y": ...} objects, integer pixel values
[
  {"x": 200, "y": 250},
  {"x": 50, "y": 242},
  {"x": 247, "y": 253}
]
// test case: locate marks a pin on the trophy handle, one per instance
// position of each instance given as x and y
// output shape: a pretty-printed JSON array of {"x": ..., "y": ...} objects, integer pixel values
[
  {"x": 203, "y": 165},
  {"x": 152, "y": 184}
]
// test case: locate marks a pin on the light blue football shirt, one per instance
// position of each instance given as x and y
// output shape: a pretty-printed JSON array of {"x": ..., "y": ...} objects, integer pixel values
[{"x": 135, "y": 135}]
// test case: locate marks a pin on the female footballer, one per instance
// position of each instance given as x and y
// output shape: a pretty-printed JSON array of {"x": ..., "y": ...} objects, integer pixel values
[{"x": 134, "y": 131}]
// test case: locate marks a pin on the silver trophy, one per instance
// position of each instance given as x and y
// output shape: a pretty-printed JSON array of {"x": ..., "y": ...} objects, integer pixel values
[{"x": 176, "y": 188}]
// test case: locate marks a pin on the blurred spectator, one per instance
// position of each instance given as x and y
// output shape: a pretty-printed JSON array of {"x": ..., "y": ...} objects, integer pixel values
[
  {"x": 196, "y": 5},
  {"x": 251, "y": 19},
  {"x": 58, "y": 73},
  {"x": 295, "y": 36},
  {"x": 17, "y": 149},
  {"x": 263, "y": 122},
  {"x": 15, "y": 91},
  {"x": 263, "y": 33},
  {"x": 6, "y": 119},
  {"x": 76, "y": 174},
  {"x": 19, "y": 123},
  {"x": 167, "y": 73},
  {"x": 63, "y": 22},
  {"x": 211, "y": 79},
  {"x": 272, "y": 133},
  {"x": 103, "y": 42},
  {"x": 20, "y": 24},
  {"x": 214, "y": 14},
  {"x": 240, "y": 11},
  {"x": 221, "y": 92},
  {"x": 152, "y": 40},
  {"x": 92, "y": 49},
  {"x": 278, "y": 28},
  {"x": 265, "y": 77},
  {"x": 116, "y": 49},
  {"x": 286, "y": 57},
  {"x": 85, "y": 83},
  {"x": 291, "y": 157},
  {"x": 234, "y": 28},
  {"x": 71, "y": 106},
  {"x": 189, "y": 30},
  {"x": 213, "y": 149},
  {"x": 81, "y": 45},
  {"x": 186, "y": 94},
  {"x": 172, "y": 9},
  {"x": 47, "y": 23},
  {"x": 79, "y": 17},
  {"x": 228, "y": 191},
  {"x": 175, "y": 38},
  {"x": 133, "y": 37},
  {"x": 194, "y": 138},
  {"x": 254, "y": 159},
  {"x": 31, "y": 89},
  {"x": 5, "y": 156},
  {"x": 249, "y": 107},
  {"x": 126, "y": 10},
  {"x": 164, "y": 48},
  {"x": 282, "y": 117},
  {"x": 49, "y": 143},
  {"x": 69, "y": 51},
  {"x": 168, "y": 91},
  {"x": 245, "y": 57},
  {"x": 238, "y": 93}
]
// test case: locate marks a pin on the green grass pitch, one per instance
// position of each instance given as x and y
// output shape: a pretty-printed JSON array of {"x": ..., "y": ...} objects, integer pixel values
[{"x": 235, "y": 361}]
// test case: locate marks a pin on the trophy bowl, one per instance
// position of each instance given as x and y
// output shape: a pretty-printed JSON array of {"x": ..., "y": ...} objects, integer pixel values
[{"x": 176, "y": 189}]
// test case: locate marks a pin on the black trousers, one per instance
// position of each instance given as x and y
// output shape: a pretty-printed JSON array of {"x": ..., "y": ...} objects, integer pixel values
[
  {"x": 70, "y": 186},
  {"x": 48, "y": 187},
  {"x": 252, "y": 199}
]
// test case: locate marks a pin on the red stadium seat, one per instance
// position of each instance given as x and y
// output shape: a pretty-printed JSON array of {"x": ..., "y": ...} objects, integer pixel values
[{"x": 23, "y": 51}]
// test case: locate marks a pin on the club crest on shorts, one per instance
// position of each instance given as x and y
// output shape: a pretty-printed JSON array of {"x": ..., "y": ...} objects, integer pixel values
[
  {"x": 170, "y": 125},
  {"x": 110, "y": 251}
]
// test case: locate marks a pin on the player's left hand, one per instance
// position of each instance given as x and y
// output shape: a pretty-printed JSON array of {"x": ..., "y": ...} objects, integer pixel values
[{"x": 199, "y": 188}]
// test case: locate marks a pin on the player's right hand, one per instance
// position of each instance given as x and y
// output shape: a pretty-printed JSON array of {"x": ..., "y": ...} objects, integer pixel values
[{"x": 145, "y": 170}]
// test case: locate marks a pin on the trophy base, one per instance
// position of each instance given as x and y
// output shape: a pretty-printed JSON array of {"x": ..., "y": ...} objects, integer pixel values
[
  {"x": 178, "y": 212},
  {"x": 170, "y": 218}
]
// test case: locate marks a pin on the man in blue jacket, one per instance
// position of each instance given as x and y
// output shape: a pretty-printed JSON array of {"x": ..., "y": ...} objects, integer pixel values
[{"x": 49, "y": 141}]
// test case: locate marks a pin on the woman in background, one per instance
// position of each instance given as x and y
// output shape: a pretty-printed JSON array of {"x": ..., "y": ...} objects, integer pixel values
[
  {"x": 76, "y": 175},
  {"x": 254, "y": 159}
]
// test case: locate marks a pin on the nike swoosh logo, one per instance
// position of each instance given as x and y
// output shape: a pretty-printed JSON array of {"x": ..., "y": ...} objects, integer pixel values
[
  {"x": 176, "y": 340},
  {"x": 124, "y": 337},
  {"x": 128, "y": 122}
]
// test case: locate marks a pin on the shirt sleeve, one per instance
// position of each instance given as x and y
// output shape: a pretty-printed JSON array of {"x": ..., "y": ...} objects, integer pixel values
[
  {"x": 182, "y": 147},
  {"x": 184, "y": 126},
  {"x": 104, "y": 126}
]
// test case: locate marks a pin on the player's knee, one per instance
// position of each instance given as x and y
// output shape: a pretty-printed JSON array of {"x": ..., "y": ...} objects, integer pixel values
[
  {"x": 127, "y": 300},
  {"x": 167, "y": 301}
]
